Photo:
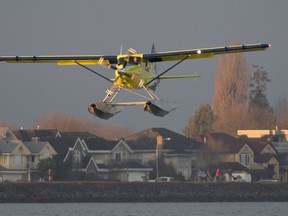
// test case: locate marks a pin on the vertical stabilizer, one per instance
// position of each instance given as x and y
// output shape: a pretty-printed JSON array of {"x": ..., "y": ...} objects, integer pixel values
[{"x": 153, "y": 50}]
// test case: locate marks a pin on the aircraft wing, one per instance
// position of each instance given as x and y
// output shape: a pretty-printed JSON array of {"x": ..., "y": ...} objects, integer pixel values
[
  {"x": 152, "y": 57},
  {"x": 203, "y": 52},
  {"x": 61, "y": 59}
]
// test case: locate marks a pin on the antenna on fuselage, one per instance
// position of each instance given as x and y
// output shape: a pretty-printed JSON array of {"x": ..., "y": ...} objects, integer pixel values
[{"x": 121, "y": 50}]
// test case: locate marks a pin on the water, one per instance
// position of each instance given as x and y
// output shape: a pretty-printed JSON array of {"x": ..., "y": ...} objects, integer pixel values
[{"x": 143, "y": 209}]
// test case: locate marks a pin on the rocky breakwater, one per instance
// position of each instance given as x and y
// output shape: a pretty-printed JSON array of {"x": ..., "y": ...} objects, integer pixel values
[{"x": 60, "y": 192}]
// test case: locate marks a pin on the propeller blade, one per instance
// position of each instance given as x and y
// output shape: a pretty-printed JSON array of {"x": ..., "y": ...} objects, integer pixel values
[{"x": 131, "y": 51}]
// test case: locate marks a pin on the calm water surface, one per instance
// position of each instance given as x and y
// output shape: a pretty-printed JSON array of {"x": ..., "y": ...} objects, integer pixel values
[{"x": 141, "y": 209}]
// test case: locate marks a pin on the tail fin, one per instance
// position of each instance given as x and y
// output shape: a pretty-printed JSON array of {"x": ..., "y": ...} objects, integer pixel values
[{"x": 153, "y": 50}]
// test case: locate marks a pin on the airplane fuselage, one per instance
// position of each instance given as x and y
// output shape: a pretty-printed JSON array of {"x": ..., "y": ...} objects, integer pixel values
[{"x": 135, "y": 73}]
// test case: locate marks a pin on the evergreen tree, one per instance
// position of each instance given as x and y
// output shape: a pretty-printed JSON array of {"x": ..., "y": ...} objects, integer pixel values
[
  {"x": 46, "y": 168},
  {"x": 257, "y": 97},
  {"x": 261, "y": 115},
  {"x": 201, "y": 121}
]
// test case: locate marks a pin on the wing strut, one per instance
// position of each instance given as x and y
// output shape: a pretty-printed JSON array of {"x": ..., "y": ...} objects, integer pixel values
[
  {"x": 89, "y": 69},
  {"x": 157, "y": 77}
]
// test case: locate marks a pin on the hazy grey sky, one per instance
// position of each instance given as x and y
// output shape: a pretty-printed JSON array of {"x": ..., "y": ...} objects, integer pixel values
[{"x": 101, "y": 27}]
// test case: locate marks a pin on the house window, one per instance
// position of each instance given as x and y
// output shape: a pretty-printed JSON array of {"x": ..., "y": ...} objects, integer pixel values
[
  {"x": 76, "y": 156},
  {"x": 118, "y": 156},
  {"x": 17, "y": 159},
  {"x": 244, "y": 159},
  {"x": 183, "y": 168},
  {"x": 5, "y": 160},
  {"x": 183, "y": 163},
  {"x": 45, "y": 155}
]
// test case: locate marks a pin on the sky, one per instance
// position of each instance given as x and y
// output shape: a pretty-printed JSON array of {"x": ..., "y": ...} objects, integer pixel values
[{"x": 29, "y": 91}]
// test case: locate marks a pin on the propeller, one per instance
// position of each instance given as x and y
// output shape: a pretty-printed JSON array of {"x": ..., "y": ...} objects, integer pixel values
[
  {"x": 131, "y": 51},
  {"x": 122, "y": 63}
]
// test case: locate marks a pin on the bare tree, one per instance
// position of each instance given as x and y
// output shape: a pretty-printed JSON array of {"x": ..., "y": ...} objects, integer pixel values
[
  {"x": 230, "y": 93},
  {"x": 7, "y": 124},
  {"x": 281, "y": 112},
  {"x": 68, "y": 123},
  {"x": 260, "y": 118}
]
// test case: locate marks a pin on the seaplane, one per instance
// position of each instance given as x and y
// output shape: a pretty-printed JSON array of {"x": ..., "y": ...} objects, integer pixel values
[{"x": 133, "y": 72}]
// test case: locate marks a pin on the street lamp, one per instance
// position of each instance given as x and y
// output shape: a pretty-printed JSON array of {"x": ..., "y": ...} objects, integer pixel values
[{"x": 160, "y": 140}]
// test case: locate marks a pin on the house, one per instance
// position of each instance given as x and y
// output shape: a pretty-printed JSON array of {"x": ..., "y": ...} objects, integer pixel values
[
  {"x": 257, "y": 156},
  {"x": 106, "y": 160},
  {"x": 155, "y": 144},
  {"x": 132, "y": 158},
  {"x": 62, "y": 146},
  {"x": 19, "y": 160},
  {"x": 150, "y": 153},
  {"x": 59, "y": 140},
  {"x": 279, "y": 140}
]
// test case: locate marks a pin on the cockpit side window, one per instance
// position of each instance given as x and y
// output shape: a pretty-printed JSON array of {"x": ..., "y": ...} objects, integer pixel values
[
  {"x": 122, "y": 61},
  {"x": 134, "y": 60}
]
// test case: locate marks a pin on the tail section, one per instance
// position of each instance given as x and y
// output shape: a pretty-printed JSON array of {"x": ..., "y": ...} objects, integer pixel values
[
  {"x": 153, "y": 50},
  {"x": 195, "y": 76}
]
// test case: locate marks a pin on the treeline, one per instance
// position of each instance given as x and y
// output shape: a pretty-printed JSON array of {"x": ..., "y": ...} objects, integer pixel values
[
  {"x": 64, "y": 122},
  {"x": 239, "y": 101}
]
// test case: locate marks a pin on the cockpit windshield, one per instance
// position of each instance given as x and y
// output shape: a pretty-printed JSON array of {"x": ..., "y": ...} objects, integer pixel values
[{"x": 129, "y": 60}]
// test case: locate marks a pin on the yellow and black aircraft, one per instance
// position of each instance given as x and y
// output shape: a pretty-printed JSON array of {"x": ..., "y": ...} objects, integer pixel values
[{"x": 134, "y": 71}]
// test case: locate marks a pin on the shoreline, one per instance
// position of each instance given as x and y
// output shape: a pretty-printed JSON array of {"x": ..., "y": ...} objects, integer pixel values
[{"x": 112, "y": 192}]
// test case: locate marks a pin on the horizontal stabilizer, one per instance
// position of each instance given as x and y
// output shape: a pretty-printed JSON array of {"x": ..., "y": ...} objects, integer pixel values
[{"x": 195, "y": 76}]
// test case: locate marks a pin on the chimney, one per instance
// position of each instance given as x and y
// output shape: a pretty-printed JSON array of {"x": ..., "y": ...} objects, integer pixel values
[
  {"x": 159, "y": 145},
  {"x": 159, "y": 139}
]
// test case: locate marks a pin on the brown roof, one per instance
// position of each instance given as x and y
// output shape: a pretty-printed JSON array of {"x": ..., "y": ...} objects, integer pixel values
[
  {"x": 146, "y": 140},
  {"x": 222, "y": 141}
]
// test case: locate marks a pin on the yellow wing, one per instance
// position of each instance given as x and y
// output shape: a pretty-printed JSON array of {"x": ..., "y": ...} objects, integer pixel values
[{"x": 202, "y": 52}]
